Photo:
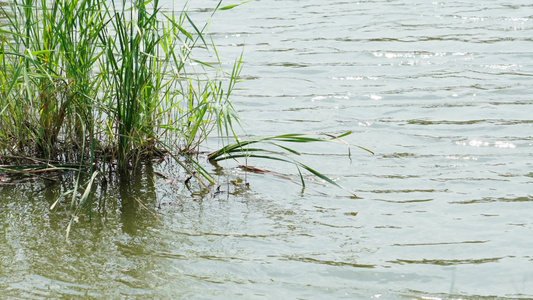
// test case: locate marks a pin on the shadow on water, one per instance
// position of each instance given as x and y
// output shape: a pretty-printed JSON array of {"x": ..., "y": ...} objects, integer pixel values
[
  {"x": 135, "y": 197},
  {"x": 154, "y": 236},
  {"x": 140, "y": 236},
  {"x": 104, "y": 256}
]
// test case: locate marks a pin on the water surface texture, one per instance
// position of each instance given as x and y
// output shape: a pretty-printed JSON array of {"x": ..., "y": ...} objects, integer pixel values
[{"x": 440, "y": 91}]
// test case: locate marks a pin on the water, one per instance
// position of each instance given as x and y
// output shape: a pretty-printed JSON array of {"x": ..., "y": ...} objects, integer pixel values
[{"x": 438, "y": 90}]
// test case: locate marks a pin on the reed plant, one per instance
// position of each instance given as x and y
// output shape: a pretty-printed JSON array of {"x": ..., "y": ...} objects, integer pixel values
[
  {"x": 106, "y": 83},
  {"x": 100, "y": 85},
  {"x": 100, "y": 82}
]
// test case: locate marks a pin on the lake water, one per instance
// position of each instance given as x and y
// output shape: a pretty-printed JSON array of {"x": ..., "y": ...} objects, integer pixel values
[{"x": 440, "y": 91}]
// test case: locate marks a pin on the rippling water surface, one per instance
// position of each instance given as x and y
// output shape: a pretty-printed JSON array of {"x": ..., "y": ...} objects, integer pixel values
[{"x": 440, "y": 91}]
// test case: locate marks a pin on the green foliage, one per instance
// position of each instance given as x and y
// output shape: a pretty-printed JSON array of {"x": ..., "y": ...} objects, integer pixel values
[
  {"x": 107, "y": 83},
  {"x": 104, "y": 82},
  {"x": 88, "y": 84}
]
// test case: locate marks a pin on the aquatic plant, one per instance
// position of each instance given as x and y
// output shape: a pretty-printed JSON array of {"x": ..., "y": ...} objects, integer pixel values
[
  {"x": 96, "y": 86},
  {"x": 243, "y": 150},
  {"x": 104, "y": 82},
  {"x": 99, "y": 85}
]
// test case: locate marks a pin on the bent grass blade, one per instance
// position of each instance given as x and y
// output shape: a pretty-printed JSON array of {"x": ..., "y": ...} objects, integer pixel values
[{"x": 240, "y": 150}]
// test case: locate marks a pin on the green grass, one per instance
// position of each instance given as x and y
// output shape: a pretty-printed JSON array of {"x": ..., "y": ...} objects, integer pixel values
[
  {"x": 105, "y": 84},
  {"x": 97, "y": 86},
  {"x": 98, "y": 82},
  {"x": 248, "y": 149}
]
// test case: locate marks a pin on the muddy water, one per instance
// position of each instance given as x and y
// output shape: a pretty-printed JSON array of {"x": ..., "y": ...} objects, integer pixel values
[{"x": 440, "y": 91}]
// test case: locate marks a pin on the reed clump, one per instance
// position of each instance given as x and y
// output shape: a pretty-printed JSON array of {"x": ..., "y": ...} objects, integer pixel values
[{"x": 105, "y": 83}]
